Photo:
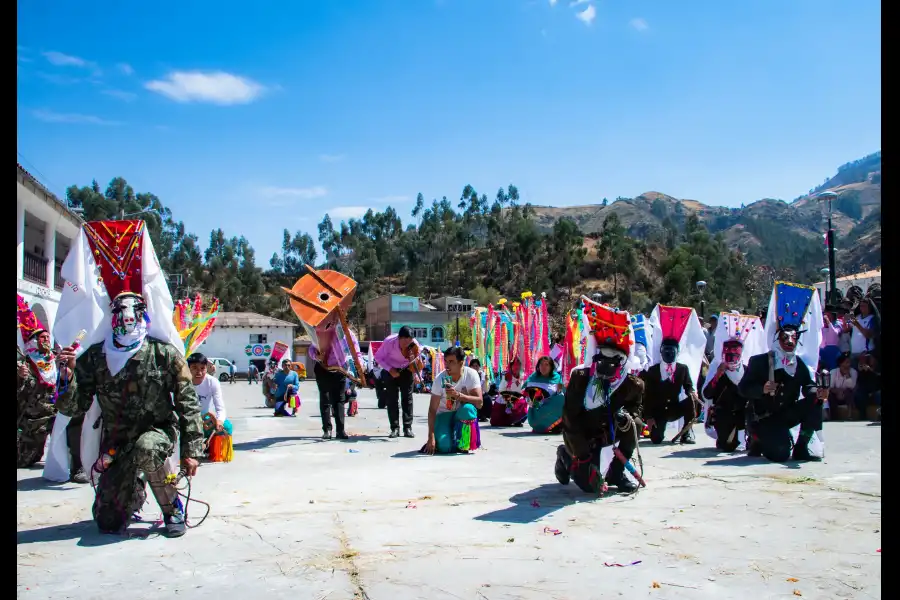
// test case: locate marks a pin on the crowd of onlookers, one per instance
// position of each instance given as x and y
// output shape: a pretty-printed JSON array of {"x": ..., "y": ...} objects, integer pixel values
[{"x": 851, "y": 353}]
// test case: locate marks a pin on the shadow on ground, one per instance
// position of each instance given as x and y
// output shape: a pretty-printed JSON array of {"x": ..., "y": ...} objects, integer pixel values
[
  {"x": 543, "y": 500},
  {"x": 39, "y": 483},
  {"x": 418, "y": 454},
  {"x": 518, "y": 433},
  {"x": 86, "y": 532},
  {"x": 694, "y": 453},
  {"x": 303, "y": 440}
]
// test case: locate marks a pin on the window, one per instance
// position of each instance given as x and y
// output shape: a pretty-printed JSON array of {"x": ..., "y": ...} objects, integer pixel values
[
  {"x": 258, "y": 338},
  {"x": 407, "y": 305},
  {"x": 420, "y": 332},
  {"x": 437, "y": 334}
]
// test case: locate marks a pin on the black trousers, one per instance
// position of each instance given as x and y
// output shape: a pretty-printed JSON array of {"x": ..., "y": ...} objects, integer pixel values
[
  {"x": 672, "y": 412},
  {"x": 399, "y": 392},
  {"x": 379, "y": 392},
  {"x": 484, "y": 413},
  {"x": 728, "y": 422},
  {"x": 627, "y": 445},
  {"x": 73, "y": 438},
  {"x": 773, "y": 432},
  {"x": 332, "y": 389}
]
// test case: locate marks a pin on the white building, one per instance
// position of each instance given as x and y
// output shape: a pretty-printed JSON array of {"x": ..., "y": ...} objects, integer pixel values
[
  {"x": 860, "y": 280},
  {"x": 242, "y": 337},
  {"x": 45, "y": 229}
]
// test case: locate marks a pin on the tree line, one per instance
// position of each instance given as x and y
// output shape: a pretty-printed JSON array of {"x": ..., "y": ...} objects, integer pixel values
[{"x": 479, "y": 247}]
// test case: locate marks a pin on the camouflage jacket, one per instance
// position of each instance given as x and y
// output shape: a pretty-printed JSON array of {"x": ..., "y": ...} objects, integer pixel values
[
  {"x": 33, "y": 398},
  {"x": 153, "y": 390}
]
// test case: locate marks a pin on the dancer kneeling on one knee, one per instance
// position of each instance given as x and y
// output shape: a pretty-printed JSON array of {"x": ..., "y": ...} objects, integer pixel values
[
  {"x": 453, "y": 413},
  {"x": 599, "y": 398},
  {"x": 779, "y": 385}
]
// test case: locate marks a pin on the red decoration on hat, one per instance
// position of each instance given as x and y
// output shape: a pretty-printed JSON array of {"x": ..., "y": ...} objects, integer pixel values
[
  {"x": 27, "y": 321},
  {"x": 611, "y": 327},
  {"x": 673, "y": 320},
  {"x": 117, "y": 247}
]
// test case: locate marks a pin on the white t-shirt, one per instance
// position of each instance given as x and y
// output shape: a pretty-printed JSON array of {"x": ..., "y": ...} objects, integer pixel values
[
  {"x": 857, "y": 339},
  {"x": 838, "y": 381},
  {"x": 209, "y": 392},
  {"x": 468, "y": 382}
]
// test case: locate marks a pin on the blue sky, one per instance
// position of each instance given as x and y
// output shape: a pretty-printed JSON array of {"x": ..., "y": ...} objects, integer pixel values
[{"x": 258, "y": 116}]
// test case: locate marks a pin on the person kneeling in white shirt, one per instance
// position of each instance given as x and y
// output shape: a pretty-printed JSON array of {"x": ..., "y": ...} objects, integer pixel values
[
  {"x": 216, "y": 425},
  {"x": 453, "y": 415}
]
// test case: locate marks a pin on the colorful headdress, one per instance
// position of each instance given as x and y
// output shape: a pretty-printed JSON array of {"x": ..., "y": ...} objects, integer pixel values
[
  {"x": 117, "y": 247},
  {"x": 28, "y": 323},
  {"x": 192, "y": 324},
  {"x": 791, "y": 305},
  {"x": 673, "y": 321},
  {"x": 639, "y": 326},
  {"x": 736, "y": 327},
  {"x": 610, "y": 327}
]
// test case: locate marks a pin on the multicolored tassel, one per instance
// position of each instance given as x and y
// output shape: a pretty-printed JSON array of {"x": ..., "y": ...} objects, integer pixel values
[{"x": 468, "y": 435}]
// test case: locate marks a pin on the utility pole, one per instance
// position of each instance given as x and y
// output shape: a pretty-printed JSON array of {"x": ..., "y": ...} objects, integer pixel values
[{"x": 830, "y": 197}]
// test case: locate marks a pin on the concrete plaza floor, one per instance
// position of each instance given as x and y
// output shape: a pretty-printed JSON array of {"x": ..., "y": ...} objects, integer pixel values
[{"x": 296, "y": 517}]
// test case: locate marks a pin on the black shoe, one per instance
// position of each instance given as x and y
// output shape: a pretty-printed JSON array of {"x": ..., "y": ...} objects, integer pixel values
[
  {"x": 395, "y": 433},
  {"x": 624, "y": 484},
  {"x": 175, "y": 526},
  {"x": 688, "y": 437},
  {"x": 562, "y": 469},
  {"x": 342, "y": 435},
  {"x": 407, "y": 432},
  {"x": 801, "y": 453},
  {"x": 326, "y": 435},
  {"x": 79, "y": 476}
]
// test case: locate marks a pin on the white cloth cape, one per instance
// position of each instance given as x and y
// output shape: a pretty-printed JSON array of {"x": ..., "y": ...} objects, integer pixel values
[
  {"x": 691, "y": 347},
  {"x": 755, "y": 343},
  {"x": 807, "y": 348},
  {"x": 85, "y": 304}
]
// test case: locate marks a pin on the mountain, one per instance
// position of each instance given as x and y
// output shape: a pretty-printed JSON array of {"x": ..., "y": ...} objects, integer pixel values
[{"x": 767, "y": 231}]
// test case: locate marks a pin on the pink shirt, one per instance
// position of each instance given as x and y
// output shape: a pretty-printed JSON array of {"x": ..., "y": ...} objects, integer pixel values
[
  {"x": 336, "y": 357},
  {"x": 389, "y": 355},
  {"x": 831, "y": 335}
]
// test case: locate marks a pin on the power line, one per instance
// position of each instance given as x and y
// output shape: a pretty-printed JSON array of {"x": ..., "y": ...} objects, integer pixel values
[{"x": 32, "y": 167}]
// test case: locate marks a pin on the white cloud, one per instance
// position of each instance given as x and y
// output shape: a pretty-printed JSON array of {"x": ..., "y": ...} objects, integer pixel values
[
  {"x": 348, "y": 212},
  {"x": 331, "y": 158},
  {"x": 125, "y": 68},
  {"x": 309, "y": 193},
  {"x": 588, "y": 15},
  {"x": 639, "y": 24},
  {"x": 121, "y": 95},
  {"x": 64, "y": 60},
  {"x": 552, "y": 2},
  {"x": 577, "y": 2},
  {"x": 54, "y": 117},
  {"x": 59, "y": 79},
  {"x": 214, "y": 88}
]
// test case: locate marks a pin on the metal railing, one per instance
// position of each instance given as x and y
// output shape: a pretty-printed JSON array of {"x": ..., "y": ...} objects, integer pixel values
[
  {"x": 58, "y": 281},
  {"x": 35, "y": 269}
]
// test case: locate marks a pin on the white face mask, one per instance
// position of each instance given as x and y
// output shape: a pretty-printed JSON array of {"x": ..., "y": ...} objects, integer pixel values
[{"x": 130, "y": 322}]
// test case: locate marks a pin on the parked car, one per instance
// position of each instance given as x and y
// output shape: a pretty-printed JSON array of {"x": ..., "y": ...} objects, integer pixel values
[{"x": 221, "y": 368}]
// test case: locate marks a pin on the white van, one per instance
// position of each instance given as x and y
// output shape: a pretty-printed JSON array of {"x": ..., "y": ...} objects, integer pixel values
[{"x": 221, "y": 368}]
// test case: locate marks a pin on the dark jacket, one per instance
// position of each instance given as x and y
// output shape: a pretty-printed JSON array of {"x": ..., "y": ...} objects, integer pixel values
[
  {"x": 582, "y": 426},
  {"x": 801, "y": 385},
  {"x": 724, "y": 394},
  {"x": 658, "y": 394}
]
